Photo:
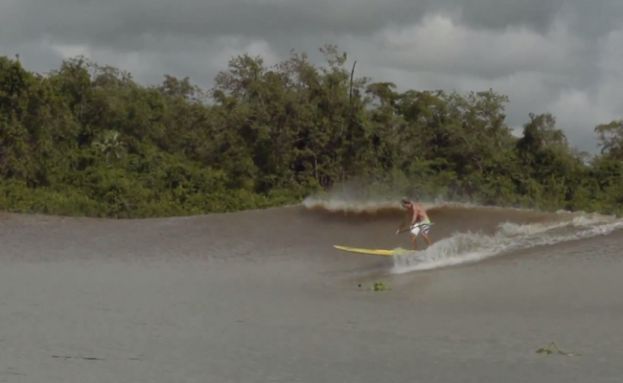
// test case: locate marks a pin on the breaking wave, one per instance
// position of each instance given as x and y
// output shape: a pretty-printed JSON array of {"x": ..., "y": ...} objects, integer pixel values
[
  {"x": 468, "y": 247},
  {"x": 366, "y": 206},
  {"x": 335, "y": 205}
]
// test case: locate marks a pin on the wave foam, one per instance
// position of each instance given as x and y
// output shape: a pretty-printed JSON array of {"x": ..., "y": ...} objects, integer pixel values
[
  {"x": 358, "y": 206},
  {"x": 350, "y": 206},
  {"x": 469, "y": 247}
]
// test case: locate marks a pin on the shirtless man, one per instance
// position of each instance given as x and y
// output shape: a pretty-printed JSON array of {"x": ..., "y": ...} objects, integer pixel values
[{"x": 419, "y": 223}]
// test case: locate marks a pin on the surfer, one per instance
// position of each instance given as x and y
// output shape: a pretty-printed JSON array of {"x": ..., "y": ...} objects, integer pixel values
[{"x": 419, "y": 223}]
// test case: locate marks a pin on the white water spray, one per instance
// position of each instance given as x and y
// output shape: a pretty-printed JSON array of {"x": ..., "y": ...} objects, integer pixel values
[{"x": 469, "y": 247}]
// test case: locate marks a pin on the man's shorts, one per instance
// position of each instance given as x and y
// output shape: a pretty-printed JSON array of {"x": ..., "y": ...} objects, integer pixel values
[{"x": 421, "y": 227}]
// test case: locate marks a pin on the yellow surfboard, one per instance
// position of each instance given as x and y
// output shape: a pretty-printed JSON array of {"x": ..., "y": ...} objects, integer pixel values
[{"x": 382, "y": 252}]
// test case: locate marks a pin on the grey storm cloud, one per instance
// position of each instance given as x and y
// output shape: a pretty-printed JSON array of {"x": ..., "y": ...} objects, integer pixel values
[{"x": 556, "y": 56}]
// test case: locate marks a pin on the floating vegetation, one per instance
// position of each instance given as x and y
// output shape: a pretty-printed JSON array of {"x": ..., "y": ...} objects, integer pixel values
[
  {"x": 380, "y": 286},
  {"x": 376, "y": 286},
  {"x": 552, "y": 348}
]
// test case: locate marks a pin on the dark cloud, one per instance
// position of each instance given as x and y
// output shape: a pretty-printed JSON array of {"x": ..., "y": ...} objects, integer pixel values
[
  {"x": 107, "y": 21},
  {"x": 495, "y": 14}
]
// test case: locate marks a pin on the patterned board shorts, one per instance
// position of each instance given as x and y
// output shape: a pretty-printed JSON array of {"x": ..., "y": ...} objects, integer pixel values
[{"x": 422, "y": 227}]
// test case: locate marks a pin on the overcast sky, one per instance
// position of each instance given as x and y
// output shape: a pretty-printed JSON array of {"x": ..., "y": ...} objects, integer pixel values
[{"x": 561, "y": 57}]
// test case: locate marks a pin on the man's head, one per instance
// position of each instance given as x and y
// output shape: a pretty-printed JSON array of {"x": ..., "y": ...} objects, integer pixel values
[{"x": 405, "y": 202}]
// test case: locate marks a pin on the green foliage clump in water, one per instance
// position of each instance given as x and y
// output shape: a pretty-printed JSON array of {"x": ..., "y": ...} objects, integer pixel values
[
  {"x": 88, "y": 140},
  {"x": 379, "y": 286},
  {"x": 376, "y": 286},
  {"x": 552, "y": 348}
]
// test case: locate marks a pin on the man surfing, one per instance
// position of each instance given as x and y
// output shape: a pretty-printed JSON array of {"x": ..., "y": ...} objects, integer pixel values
[{"x": 419, "y": 223}]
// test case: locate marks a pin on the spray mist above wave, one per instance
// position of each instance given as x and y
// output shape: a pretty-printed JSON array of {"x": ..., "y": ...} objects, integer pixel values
[
  {"x": 335, "y": 205},
  {"x": 373, "y": 205},
  {"x": 362, "y": 197},
  {"x": 462, "y": 248},
  {"x": 357, "y": 204}
]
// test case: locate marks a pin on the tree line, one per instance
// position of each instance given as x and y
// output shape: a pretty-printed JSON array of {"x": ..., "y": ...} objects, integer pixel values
[{"x": 89, "y": 140}]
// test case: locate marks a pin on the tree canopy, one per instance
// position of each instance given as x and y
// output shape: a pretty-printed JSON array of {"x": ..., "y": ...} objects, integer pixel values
[{"x": 88, "y": 140}]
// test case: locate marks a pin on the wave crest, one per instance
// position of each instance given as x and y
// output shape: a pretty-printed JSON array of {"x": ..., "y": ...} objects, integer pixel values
[{"x": 468, "y": 247}]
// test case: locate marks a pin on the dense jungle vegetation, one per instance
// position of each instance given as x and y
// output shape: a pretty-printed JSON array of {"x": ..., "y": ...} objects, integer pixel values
[{"x": 88, "y": 140}]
